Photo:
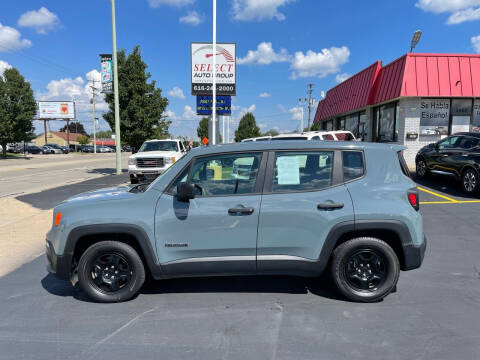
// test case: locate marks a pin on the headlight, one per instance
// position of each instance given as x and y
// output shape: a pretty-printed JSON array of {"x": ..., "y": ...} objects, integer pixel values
[
  {"x": 169, "y": 160},
  {"x": 131, "y": 161}
]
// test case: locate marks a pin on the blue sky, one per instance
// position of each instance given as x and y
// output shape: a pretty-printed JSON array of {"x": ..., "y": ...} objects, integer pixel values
[{"x": 282, "y": 45}]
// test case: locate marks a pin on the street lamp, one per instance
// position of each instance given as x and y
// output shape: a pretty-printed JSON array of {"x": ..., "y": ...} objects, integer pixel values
[
  {"x": 118, "y": 149},
  {"x": 415, "y": 39}
]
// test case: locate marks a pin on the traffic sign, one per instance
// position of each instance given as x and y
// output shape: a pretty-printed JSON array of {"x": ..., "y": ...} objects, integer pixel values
[{"x": 205, "y": 141}]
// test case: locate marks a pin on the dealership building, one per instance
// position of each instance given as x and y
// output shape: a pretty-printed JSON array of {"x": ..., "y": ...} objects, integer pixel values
[{"x": 413, "y": 101}]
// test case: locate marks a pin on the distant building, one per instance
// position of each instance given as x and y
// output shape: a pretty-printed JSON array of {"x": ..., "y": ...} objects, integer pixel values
[
  {"x": 413, "y": 101},
  {"x": 57, "y": 137}
]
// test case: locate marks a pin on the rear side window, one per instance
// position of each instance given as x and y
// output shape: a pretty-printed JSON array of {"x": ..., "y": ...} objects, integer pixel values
[
  {"x": 302, "y": 171},
  {"x": 353, "y": 167}
]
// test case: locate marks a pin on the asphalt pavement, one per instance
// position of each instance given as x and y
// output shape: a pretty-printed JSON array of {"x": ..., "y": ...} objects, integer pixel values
[{"x": 434, "y": 313}]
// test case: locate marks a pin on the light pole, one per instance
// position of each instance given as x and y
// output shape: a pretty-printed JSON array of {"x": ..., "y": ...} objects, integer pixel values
[
  {"x": 214, "y": 85},
  {"x": 118, "y": 149},
  {"x": 301, "y": 103},
  {"x": 415, "y": 39}
]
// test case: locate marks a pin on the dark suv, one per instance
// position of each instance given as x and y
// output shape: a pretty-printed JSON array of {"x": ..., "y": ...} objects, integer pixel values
[{"x": 457, "y": 155}]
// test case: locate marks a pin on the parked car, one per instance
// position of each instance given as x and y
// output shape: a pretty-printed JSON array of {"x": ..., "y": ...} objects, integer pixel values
[
  {"x": 33, "y": 149},
  {"x": 112, "y": 147},
  {"x": 63, "y": 149},
  {"x": 293, "y": 215},
  {"x": 87, "y": 148},
  {"x": 127, "y": 148},
  {"x": 153, "y": 159},
  {"x": 457, "y": 155},
  {"x": 50, "y": 150}
]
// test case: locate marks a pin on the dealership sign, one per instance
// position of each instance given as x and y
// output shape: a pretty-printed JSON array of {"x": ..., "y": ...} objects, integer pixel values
[
  {"x": 202, "y": 68},
  {"x": 106, "y": 73},
  {"x": 223, "y": 104},
  {"x": 56, "y": 110}
]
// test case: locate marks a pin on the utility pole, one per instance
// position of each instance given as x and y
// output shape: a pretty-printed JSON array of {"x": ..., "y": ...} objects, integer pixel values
[
  {"x": 115, "y": 91},
  {"x": 310, "y": 103},
  {"x": 214, "y": 85},
  {"x": 94, "y": 100}
]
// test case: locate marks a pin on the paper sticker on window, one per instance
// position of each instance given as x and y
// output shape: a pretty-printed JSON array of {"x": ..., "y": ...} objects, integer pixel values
[{"x": 288, "y": 170}]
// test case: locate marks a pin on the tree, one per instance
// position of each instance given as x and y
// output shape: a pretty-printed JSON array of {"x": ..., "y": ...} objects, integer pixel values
[
  {"x": 315, "y": 127},
  {"x": 141, "y": 103},
  {"x": 271, "y": 132},
  {"x": 103, "y": 134},
  {"x": 17, "y": 108},
  {"x": 74, "y": 127},
  {"x": 247, "y": 128},
  {"x": 83, "y": 139},
  {"x": 202, "y": 130}
]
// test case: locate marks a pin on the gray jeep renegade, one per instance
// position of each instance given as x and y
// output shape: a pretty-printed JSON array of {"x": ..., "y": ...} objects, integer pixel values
[{"x": 298, "y": 208}]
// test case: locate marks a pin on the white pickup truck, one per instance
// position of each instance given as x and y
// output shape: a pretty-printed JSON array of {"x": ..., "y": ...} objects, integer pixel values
[{"x": 153, "y": 159}]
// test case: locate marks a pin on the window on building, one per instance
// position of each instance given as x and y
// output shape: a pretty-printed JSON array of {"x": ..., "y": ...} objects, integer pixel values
[
  {"x": 351, "y": 124},
  {"x": 363, "y": 126},
  {"x": 386, "y": 124},
  {"x": 340, "y": 124},
  {"x": 302, "y": 171},
  {"x": 329, "y": 126},
  {"x": 476, "y": 116}
]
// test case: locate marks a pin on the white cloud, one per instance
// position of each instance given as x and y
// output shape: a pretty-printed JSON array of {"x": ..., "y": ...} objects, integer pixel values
[
  {"x": 281, "y": 108},
  {"x": 341, "y": 77},
  {"x": 192, "y": 18},
  {"x": 321, "y": 64},
  {"x": 42, "y": 20},
  {"x": 247, "y": 10},
  {"x": 188, "y": 113},
  {"x": 264, "y": 55},
  {"x": 262, "y": 125},
  {"x": 158, "y": 3},
  {"x": 170, "y": 115},
  {"x": 460, "y": 10},
  {"x": 11, "y": 39},
  {"x": 440, "y": 6},
  {"x": 463, "y": 16},
  {"x": 476, "y": 43},
  {"x": 264, "y": 95},
  {"x": 176, "y": 92},
  {"x": 4, "y": 66},
  {"x": 296, "y": 112}
]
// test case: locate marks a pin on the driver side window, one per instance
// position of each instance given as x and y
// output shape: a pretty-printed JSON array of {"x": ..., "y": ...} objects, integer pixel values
[
  {"x": 229, "y": 174},
  {"x": 448, "y": 143}
]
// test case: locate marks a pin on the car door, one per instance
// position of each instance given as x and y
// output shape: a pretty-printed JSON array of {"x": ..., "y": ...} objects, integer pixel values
[
  {"x": 464, "y": 154},
  {"x": 304, "y": 197},
  {"x": 447, "y": 150},
  {"x": 216, "y": 232}
]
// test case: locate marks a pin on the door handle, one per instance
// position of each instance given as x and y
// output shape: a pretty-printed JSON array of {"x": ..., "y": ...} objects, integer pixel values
[
  {"x": 240, "y": 210},
  {"x": 329, "y": 205}
]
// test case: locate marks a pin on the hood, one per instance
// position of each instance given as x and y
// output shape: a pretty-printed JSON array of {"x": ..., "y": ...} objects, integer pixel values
[
  {"x": 152, "y": 154},
  {"x": 112, "y": 193}
]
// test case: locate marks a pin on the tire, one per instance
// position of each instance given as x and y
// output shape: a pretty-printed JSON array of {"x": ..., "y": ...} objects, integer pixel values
[
  {"x": 363, "y": 286},
  {"x": 133, "y": 180},
  {"x": 128, "y": 271},
  {"x": 470, "y": 181},
  {"x": 421, "y": 168}
]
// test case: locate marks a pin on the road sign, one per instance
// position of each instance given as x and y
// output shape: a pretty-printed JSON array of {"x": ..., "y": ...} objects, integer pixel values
[
  {"x": 204, "y": 105},
  {"x": 202, "y": 68},
  {"x": 205, "y": 141}
]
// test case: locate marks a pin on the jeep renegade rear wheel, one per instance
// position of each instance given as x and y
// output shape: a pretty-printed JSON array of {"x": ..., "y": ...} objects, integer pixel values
[
  {"x": 365, "y": 269},
  {"x": 110, "y": 271}
]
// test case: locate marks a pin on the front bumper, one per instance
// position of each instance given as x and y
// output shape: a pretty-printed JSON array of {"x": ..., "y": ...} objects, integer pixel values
[
  {"x": 413, "y": 255},
  {"x": 56, "y": 264}
]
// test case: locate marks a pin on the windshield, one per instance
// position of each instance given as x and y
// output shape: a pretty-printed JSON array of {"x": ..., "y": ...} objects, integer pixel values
[{"x": 159, "y": 146}]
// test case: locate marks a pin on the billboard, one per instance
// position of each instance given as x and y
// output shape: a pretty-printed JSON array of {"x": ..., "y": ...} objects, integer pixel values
[
  {"x": 56, "y": 110},
  {"x": 202, "y": 68},
  {"x": 223, "y": 104},
  {"x": 106, "y": 72}
]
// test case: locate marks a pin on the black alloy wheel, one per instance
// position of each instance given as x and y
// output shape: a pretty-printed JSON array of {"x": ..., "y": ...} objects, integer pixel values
[
  {"x": 470, "y": 181},
  {"x": 110, "y": 271},
  {"x": 365, "y": 269},
  {"x": 421, "y": 168}
]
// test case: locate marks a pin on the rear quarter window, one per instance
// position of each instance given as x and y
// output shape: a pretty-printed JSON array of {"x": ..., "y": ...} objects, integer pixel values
[{"x": 353, "y": 166}]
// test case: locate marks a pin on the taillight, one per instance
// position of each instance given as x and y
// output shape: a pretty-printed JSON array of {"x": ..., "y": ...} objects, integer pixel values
[{"x": 413, "y": 198}]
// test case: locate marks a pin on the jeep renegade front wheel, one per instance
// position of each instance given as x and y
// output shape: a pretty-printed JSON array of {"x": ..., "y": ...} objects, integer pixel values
[
  {"x": 110, "y": 271},
  {"x": 365, "y": 269}
]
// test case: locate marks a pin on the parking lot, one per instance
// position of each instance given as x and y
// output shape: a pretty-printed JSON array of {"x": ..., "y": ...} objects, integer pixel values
[{"x": 434, "y": 313}]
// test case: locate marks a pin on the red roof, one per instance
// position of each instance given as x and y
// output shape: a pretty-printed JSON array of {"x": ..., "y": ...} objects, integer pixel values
[{"x": 426, "y": 75}]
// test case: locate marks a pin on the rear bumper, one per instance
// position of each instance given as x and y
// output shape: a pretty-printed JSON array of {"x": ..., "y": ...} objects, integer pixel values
[
  {"x": 56, "y": 264},
  {"x": 413, "y": 255}
]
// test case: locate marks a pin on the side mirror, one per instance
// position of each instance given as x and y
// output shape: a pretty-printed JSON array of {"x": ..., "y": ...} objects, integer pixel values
[{"x": 185, "y": 191}]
